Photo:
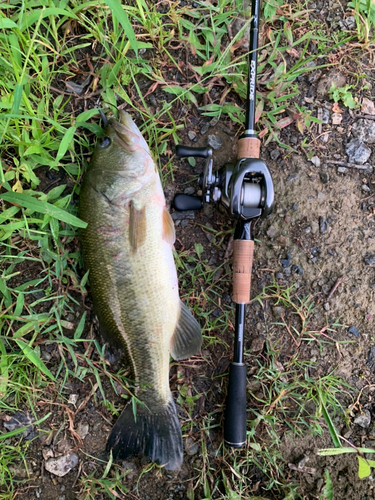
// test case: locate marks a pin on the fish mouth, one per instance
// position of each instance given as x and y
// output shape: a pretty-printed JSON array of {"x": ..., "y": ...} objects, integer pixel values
[{"x": 128, "y": 133}]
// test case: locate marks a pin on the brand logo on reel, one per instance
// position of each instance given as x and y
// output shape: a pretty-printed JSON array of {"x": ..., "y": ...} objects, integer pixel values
[{"x": 252, "y": 80}]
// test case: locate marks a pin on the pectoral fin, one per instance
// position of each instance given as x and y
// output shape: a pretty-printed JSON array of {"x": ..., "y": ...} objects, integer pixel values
[
  {"x": 187, "y": 337},
  {"x": 137, "y": 226},
  {"x": 169, "y": 234}
]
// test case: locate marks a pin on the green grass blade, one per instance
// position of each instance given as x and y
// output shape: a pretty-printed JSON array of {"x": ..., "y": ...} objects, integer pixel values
[
  {"x": 331, "y": 427},
  {"x": 122, "y": 17},
  {"x": 34, "y": 358},
  {"x": 43, "y": 207},
  {"x": 64, "y": 144}
]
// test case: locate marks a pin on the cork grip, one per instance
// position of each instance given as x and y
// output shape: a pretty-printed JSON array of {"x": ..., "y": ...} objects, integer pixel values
[
  {"x": 242, "y": 264},
  {"x": 248, "y": 147}
]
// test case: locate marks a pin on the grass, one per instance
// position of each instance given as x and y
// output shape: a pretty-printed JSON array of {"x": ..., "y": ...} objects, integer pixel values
[{"x": 58, "y": 61}]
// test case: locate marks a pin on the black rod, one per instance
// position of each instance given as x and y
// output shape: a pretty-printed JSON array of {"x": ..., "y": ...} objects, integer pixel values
[{"x": 252, "y": 75}]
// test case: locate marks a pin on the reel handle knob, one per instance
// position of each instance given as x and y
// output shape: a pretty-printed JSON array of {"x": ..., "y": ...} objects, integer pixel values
[
  {"x": 186, "y": 151},
  {"x": 184, "y": 202}
]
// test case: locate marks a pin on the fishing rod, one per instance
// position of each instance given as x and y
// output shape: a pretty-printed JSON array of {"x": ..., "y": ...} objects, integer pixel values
[{"x": 246, "y": 190}]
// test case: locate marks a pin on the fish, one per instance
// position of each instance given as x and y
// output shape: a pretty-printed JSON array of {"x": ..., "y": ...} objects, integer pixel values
[{"x": 127, "y": 247}]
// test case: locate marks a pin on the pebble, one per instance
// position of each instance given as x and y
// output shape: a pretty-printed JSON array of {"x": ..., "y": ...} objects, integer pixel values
[
  {"x": 285, "y": 262},
  {"x": 291, "y": 178},
  {"x": 353, "y": 330},
  {"x": 214, "y": 141},
  {"x": 348, "y": 23},
  {"x": 315, "y": 160},
  {"x": 342, "y": 170},
  {"x": 274, "y": 154},
  {"x": 323, "y": 225},
  {"x": 364, "y": 130},
  {"x": 205, "y": 128},
  {"x": 278, "y": 311},
  {"x": 326, "y": 306},
  {"x": 191, "y": 447},
  {"x": 295, "y": 206},
  {"x": 357, "y": 152},
  {"x": 184, "y": 223},
  {"x": 271, "y": 232},
  {"x": 214, "y": 121},
  {"x": 287, "y": 271},
  {"x": 371, "y": 358},
  {"x": 82, "y": 430},
  {"x": 314, "y": 227},
  {"x": 363, "y": 420},
  {"x": 365, "y": 188},
  {"x": 297, "y": 269},
  {"x": 369, "y": 259},
  {"x": 21, "y": 419},
  {"x": 187, "y": 214},
  {"x": 192, "y": 136},
  {"x": 189, "y": 190},
  {"x": 279, "y": 276},
  {"x": 324, "y": 177},
  {"x": 62, "y": 465}
]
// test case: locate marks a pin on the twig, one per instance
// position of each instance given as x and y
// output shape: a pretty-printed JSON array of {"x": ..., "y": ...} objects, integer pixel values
[
  {"x": 350, "y": 165},
  {"x": 335, "y": 286},
  {"x": 367, "y": 117}
]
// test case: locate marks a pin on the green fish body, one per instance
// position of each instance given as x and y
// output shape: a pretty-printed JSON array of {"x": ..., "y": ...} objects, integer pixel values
[{"x": 127, "y": 246}]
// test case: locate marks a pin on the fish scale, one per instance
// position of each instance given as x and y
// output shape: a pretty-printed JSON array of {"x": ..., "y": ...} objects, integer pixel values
[{"x": 127, "y": 246}]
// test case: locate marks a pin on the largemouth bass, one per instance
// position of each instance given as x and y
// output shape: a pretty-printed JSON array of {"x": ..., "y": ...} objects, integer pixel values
[{"x": 127, "y": 246}]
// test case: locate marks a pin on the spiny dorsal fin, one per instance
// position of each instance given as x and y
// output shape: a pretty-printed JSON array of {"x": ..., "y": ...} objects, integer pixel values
[
  {"x": 187, "y": 337},
  {"x": 137, "y": 226},
  {"x": 169, "y": 234}
]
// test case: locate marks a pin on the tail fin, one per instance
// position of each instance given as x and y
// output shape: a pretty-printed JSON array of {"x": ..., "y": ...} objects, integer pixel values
[{"x": 154, "y": 434}]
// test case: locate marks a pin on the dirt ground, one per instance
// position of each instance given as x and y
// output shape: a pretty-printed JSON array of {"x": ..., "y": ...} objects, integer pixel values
[{"x": 320, "y": 239}]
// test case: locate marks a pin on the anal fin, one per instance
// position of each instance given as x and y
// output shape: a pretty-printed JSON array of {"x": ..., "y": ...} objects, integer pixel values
[{"x": 187, "y": 337}]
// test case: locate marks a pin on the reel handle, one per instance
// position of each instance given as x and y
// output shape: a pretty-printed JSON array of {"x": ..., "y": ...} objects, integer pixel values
[
  {"x": 184, "y": 202},
  {"x": 187, "y": 151}
]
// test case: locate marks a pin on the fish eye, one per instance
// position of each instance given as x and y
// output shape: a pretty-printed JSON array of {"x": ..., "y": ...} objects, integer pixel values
[{"x": 105, "y": 142}]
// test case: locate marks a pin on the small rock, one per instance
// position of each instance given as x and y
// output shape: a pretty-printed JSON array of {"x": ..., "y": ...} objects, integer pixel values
[
  {"x": 347, "y": 23},
  {"x": 325, "y": 82},
  {"x": 62, "y": 465},
  {"x": 297, "y": 269},
  {"x": 364, "y": 130},
  {"x": 365, "y": 188},
  {"x": 214, "y": 141},
  {"x": 357, "y": 152},
  {"x": 342, "y": 170},
  {"x": 285, "y": 262},
  {"x": 326, "y": 306},
  {"x": 18, "y": 420},
  {"x": 363, "y": 420},
  {"x": 323, "y": 226},
  {"x": 291, "y": 178},
  {"x": 279, "y": 276},
  {"x": 353, "y": 330},
  {"x": 191, "y": 447},
  {"x": 369, "y": 259},
  {"x": 73, "y": 398},
  {"x": 295, "y": 206},
  {"x": 274, "y": 154},
  {"x": 314, "y": 227},
  {"x": 368, "y": 107},
  {"x": 321, "y": 196},
  {"x": 205, "y": 128},
  {"x": 82, "y": 430},
  {"x": 336, "y": 118},
  {"x": 315, "y": 160},
  {"x": 371, "y": 358},
  {"x": 214, "y": 121},
  {"x": 189, "y": 190},
  {"x": 187, "y": 214},
  {"x": 131, "y": 469},
  {"x": 63, "y": 446},
  {"x": 278, "y": 311},
  {"x": 287, "y": 271},
  {"x": 192, "y": 136},
  {"x": 257, "y": 344},
  {"x": 325, "y": 116},
  {"x": 271, "y": 232},
  {"x": 184, "y": 223},
  {"x": 47, "y": 453},
  {"x": 210, "y": 237},
  {"x": 324, "y": 177}
]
